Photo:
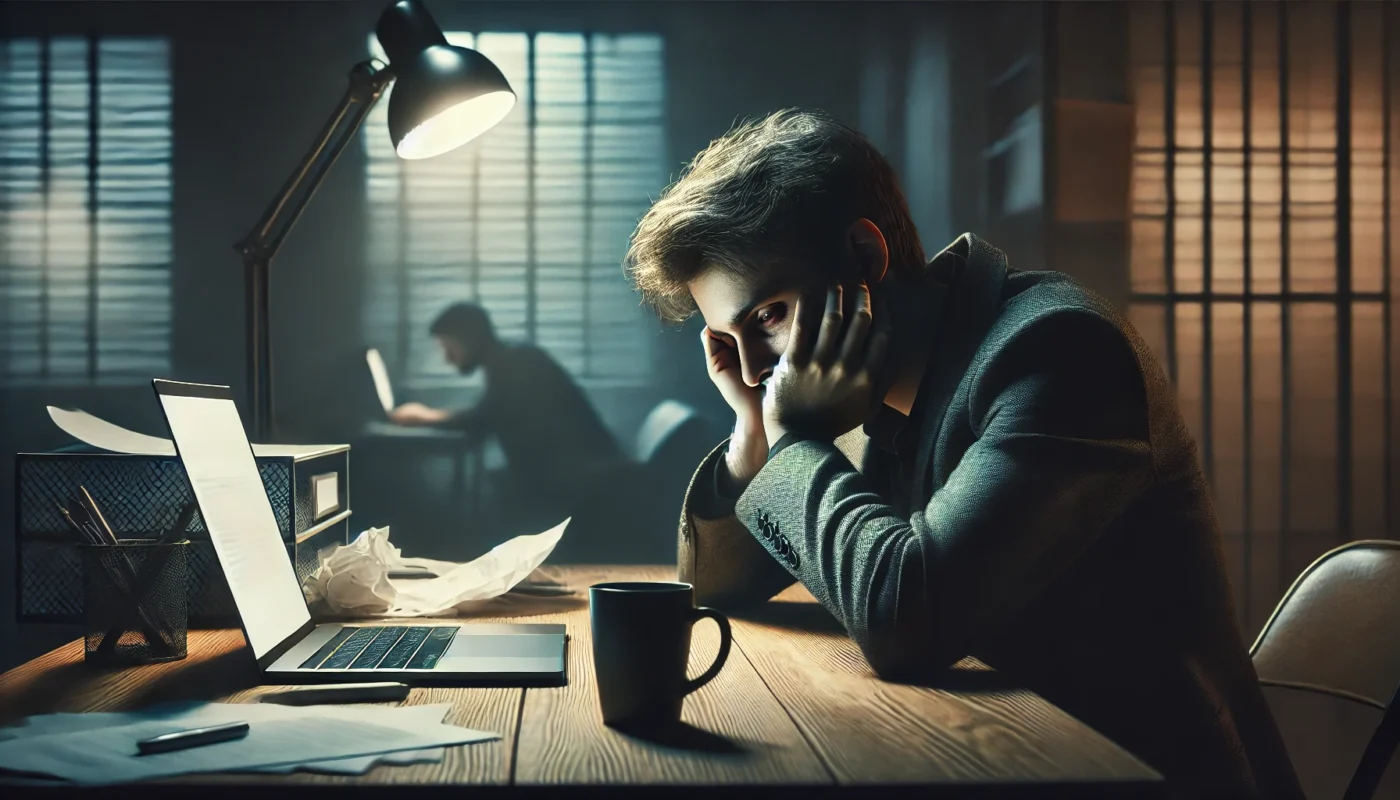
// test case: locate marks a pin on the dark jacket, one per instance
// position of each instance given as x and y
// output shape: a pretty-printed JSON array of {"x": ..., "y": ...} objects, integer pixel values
[{"x": 1043, "y": 511}]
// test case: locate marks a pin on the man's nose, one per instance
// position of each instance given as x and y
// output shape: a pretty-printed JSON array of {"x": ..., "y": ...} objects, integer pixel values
[{"x": 756, "y": 364}]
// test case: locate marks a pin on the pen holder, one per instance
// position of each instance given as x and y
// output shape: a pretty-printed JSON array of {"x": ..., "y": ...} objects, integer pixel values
[{"x": 135, "y": 607}]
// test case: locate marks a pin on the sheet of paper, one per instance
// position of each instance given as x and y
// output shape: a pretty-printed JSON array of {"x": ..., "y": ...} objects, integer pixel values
[
  {"x": 380, "y": 373},
  {"x": 281, "y": 738},
  {"x": 105, "y": 435},
  {"x": 196, "y": 714},
  {"x": 405, "y": 716},
  {"x": 489, "y": 576},
  {"x": 356, "y": 578},
  {"x": 100, "y": 433}
]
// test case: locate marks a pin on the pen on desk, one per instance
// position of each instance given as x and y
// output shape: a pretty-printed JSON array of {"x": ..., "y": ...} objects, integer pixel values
[{"x": 195, "y": 737}]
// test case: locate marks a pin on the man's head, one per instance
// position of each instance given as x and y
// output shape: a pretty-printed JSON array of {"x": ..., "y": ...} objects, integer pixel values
[
  {"x": 777, "y": 208},
  {"x": 464, "y": 331}
]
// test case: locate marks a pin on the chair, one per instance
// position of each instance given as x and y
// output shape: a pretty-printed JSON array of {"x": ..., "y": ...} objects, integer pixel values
[
  {"x": 669, "y": 445},
  {"x": 1337, "y": 632},
  {"x": 661, "y": 427}
]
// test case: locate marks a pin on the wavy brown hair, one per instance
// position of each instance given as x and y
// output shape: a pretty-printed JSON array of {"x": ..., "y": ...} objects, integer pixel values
[{"x": 779, "y": 191}]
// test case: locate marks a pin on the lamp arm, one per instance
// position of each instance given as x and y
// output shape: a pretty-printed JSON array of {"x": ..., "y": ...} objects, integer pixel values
[{"x": 367, "y": 84}]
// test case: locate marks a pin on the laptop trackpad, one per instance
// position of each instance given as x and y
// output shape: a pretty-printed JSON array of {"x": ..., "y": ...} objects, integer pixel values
[{"x": 523, "y": 645}]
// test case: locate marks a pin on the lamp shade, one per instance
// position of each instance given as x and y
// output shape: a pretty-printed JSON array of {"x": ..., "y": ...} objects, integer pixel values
[{"x": 444, "y": 96}]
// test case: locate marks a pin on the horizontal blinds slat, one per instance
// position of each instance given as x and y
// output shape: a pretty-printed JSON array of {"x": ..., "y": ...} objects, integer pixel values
[
  {"x": 50, "y": 233},
  {"x": 458, "y": 227}
]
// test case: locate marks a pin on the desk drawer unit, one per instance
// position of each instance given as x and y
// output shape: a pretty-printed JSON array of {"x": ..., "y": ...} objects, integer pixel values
[{"x": 142, "y": 495}]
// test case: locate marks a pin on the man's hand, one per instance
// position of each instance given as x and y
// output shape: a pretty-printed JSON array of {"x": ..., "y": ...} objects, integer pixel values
[
  {"x": 825, "y": 388},
  {"x": 748, "y": 449},
  {"x": 418, "y": 414}
]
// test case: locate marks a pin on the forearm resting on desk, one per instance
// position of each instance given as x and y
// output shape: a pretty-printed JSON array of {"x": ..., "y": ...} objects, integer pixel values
[{"x": 717, "y": 554}]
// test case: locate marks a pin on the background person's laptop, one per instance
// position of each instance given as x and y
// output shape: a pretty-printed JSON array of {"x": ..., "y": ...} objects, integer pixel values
[
  {"x": 383, "y": 388},
  {"x": 289, "y": 648}
]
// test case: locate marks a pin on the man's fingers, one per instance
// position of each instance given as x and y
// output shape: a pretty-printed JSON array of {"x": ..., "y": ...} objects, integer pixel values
[
  {"x": 799, "y": 347},
  {"x": 717, "y": 352},
  {"x": 707, "y": 340},
  {"x": 827, "y": 337},
  {"x": 853, "y": 346}
]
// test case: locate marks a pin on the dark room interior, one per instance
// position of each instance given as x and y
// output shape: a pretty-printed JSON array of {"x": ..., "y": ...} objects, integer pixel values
[{"x": 1221, "y": 173}]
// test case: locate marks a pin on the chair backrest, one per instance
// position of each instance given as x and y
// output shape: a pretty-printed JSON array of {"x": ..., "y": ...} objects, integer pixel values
[
  {"x": 1337, "y": 629},
  {"x": 1335, "y": 632},
  {"x": 668, "y": 417}
]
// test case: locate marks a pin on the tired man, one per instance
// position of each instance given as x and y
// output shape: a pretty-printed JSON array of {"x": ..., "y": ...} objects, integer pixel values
[
  {"x": 553, "y": 440},
  {"x": 955, "y": 457}
]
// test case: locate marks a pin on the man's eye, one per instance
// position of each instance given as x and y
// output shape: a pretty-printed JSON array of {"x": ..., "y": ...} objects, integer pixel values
[{"x": 771, "y": 315}]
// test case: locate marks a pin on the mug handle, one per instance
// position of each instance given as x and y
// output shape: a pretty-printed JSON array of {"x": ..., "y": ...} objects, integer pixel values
[{"x": 725, "y": 640}]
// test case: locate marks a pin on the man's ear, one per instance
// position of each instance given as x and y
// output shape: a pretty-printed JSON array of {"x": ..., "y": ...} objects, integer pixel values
[{"x": 866, "y": 245}]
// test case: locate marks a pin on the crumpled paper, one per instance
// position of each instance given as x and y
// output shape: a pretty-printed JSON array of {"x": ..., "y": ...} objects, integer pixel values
[{"x": 358, "y": 579}]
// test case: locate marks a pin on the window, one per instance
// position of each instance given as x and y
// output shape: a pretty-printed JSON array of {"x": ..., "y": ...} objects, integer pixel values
[
  {"x": 1262, "y": 254},
  {"x": 532, "y": 219},
  {"x": 84, "y": 210}
]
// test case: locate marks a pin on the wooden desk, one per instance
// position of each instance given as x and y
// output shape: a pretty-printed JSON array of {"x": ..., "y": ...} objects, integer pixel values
[{"x": 795, "y": 705}]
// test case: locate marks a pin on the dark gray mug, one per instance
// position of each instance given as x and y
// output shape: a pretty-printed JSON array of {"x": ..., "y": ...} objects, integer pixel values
[{"x": 641, "y": 647}]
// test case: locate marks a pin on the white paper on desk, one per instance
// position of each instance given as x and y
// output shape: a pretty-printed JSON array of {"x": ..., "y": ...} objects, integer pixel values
[
  {"x": 354, "y": 578},
  {"x": 105, "y": 435},
  {"x": 407, "y": 715},
  {"x": 280, "y": 739},
  {"x": 196, "y": 714}
]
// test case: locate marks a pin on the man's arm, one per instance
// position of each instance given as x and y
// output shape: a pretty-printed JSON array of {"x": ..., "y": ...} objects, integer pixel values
[
  {"x": 473, "y": 422},
  {"x": 468, "y": 420},
  {"x": 717, "y": 554},
  {"x": 1062, "y": 450}
]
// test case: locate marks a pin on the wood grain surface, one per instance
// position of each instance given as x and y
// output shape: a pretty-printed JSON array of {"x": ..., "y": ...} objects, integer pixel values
[
  {"x": 733, "y": 730},
  {"x": 796, "y": 703},
  {"x": 871, "y": 731}
]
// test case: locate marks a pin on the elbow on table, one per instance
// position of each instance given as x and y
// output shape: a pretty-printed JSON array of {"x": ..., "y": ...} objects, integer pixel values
[
  {"x": 902, "y": 652},
  {"x": 908, "y": 629}
]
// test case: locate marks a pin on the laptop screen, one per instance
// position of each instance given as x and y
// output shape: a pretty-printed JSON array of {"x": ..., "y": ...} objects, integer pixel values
[
  {"x": 218, "y": 459},
  {"x": 380, "y": 373}
]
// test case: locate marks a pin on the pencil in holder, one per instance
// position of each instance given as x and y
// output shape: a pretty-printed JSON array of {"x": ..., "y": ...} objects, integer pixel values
[{"x": 135, "y": 606}]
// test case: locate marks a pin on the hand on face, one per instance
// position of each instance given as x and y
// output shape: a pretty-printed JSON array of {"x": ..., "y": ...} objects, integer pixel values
[
  {"x": 824, "y": 383},
  {"x": 722, "y": 363},
  {"x": 748, "y": 447}
]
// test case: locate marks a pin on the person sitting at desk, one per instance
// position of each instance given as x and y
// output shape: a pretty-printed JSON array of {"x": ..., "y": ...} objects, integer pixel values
[
  {"x": 554, "y": 442},
  {"x": 955, "y": 457}
]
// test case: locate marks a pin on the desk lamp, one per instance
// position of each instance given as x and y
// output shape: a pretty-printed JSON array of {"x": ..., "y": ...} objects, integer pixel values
[{"x": 445, "y": 97}]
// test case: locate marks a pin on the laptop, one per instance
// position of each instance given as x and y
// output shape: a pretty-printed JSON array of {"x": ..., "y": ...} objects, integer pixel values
[
  {"x": 382, "y": 387},
  {"x": 289, "y": 647}
]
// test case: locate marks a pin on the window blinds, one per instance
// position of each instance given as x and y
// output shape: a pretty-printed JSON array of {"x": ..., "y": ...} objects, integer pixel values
[
  {"x": 1262, "y": 260},
  {"x": 532, "y": 219},
  {"x": 85, "y": 190}
]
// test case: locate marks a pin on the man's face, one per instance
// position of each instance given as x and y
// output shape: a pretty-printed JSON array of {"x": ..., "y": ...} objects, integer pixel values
[
  {"x": 459, "y": 354},
  {"x": 751, "y": 313}
]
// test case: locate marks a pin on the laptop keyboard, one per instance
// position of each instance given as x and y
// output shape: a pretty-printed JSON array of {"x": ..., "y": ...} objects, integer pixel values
[{"x": 387, "y": 647}]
